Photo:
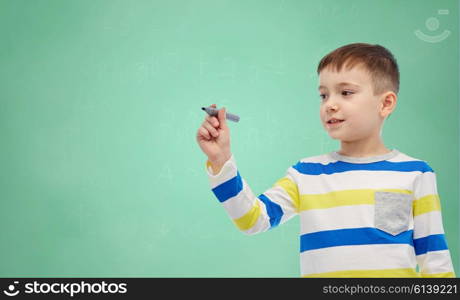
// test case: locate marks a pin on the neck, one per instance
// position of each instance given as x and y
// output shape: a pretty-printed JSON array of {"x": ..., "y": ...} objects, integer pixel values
[{"x": 363, "y": 148}]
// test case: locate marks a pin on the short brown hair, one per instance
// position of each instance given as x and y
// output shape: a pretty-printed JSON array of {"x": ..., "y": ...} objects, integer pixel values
[{"x": 377, "y": 60}]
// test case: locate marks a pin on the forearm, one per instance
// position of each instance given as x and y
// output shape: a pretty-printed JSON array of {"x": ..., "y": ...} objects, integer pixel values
[{"x": 252, "y": 214}]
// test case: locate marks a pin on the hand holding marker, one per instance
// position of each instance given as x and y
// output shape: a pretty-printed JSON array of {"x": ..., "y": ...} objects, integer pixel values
[
  {"x": 213, "y": 113},
  {"x": 213, "y": 136}
]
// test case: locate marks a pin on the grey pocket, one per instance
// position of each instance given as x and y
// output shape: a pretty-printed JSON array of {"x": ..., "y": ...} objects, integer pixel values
[{"x": 392, "y": 211}]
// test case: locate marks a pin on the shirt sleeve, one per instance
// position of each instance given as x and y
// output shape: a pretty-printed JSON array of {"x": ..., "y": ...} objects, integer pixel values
[
  {"x": 249, "y": 213},
  {"x": 431, "y": 250}
]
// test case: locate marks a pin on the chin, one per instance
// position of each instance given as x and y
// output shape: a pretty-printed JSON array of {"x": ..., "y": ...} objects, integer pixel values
[
  {"x": 341, "y": 138},
  {"x": 335, "y": 136}
]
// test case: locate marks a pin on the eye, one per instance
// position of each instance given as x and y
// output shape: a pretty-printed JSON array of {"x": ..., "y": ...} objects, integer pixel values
[
  {"x": 322, "y": 96},
  {"x": 347, "y": 93}
]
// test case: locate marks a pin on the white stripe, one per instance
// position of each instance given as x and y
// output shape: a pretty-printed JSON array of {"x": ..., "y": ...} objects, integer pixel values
[
  {"x": 428, "y": 224},
  {"x": 320, "y": 184},
  {"x": 322, "y": 159},
  {"x": 340, "y": 217},
  {"x": 227, "y": 172},
  {"x": 239, "y": 205},
  {"x": 425, "y": 184},
  {"x": 435, "y": 262},
  {"x": 401, "y": 157},
  {"x": 361, "y": 257}
]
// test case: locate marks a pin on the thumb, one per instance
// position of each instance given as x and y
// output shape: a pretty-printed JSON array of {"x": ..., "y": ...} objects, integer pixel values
[{"x": 222, "y": 116}]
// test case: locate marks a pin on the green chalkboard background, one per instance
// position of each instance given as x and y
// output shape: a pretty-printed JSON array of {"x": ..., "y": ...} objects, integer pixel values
[{"x": 100, "y": 102}]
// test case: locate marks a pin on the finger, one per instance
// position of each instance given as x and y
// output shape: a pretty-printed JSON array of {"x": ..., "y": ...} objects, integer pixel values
[
  {"x": 211, "y": 129},
  {"x": 213, "y": 120},
  {"x": 204, "y": 133},
  {"x": 222, "y": 117}
]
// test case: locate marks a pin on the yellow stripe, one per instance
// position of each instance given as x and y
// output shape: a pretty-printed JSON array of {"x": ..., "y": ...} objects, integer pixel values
[
  {"x": 290, "y": 187},
  {"x": 249, "y": 219},
  {"x": 342, "y": 198},
  {"x": 368, "y": 273},
  {"x": 426, "y": 204},
  {"x": 439, "y": 275}
]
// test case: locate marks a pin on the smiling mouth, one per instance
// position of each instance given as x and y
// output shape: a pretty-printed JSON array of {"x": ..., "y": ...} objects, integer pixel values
[{"x": 335, "y": 121}]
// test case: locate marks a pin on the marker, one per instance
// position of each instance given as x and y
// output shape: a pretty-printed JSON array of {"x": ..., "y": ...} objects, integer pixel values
[{"x": 213, "y": 113}]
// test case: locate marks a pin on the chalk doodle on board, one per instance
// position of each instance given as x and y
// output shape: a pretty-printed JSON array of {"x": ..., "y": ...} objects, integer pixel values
[
  {"x": 163, "y": 230},
  {"x": 281, "y": 5}
]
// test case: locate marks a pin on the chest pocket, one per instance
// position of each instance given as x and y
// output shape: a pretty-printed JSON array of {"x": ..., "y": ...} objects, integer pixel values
[{"x": 392, "y": 212}]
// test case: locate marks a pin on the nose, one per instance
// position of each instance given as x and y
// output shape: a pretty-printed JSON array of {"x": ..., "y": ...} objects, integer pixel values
[{"x": 331, "y": 106}]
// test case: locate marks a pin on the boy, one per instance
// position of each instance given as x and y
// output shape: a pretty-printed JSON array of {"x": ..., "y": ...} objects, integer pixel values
[{"x": 366, "y": 211}]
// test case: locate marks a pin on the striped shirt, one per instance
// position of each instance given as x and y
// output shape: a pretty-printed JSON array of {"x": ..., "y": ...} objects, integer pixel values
[{"x": 360, "y": 217}]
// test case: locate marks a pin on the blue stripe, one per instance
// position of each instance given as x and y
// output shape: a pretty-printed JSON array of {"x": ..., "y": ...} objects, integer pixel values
[
  {"x": 341, "y": 166},
  {"x": 354, "y": 236},
  {"x": 429, "y": 243},
  {"x": 229, "y": 188},
  {"x": 273, "y": 209}
]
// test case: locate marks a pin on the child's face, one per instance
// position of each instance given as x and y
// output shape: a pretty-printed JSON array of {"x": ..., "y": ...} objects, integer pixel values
[{"x": 349, "y": 95}]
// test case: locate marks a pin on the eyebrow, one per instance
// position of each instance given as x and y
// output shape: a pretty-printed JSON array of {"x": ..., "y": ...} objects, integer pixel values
[{"x": 340, "y": 85}]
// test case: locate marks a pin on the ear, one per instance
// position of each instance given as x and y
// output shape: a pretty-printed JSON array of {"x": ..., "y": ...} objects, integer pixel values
[{"x": 387, "y": 103}]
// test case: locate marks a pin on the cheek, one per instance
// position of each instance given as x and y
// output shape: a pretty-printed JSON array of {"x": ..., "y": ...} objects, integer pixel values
[
  {"x": 322, "y": 113},
  {"x": 363, "y": 120}
]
